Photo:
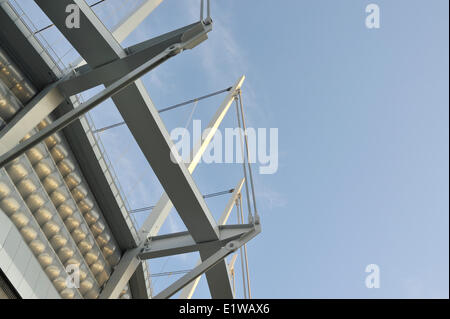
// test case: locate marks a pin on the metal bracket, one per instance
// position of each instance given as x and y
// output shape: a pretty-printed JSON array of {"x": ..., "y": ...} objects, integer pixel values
[
  {"x": 145, "y": 56},
  {"x": 207, "y": 264},
  {"x": 181, "y": 243}
]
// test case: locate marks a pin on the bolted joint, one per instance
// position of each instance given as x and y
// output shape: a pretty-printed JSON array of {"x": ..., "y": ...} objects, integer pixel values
[
  {"x": 175, "y": 49},
  {"x": 207, "y": 21},
  {"x": 232, "y": 246}
]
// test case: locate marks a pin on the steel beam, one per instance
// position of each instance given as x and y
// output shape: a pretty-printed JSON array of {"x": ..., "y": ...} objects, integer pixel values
[
  {"x": 155, "y": 220},
  {"x": 208, "y": 263},
  {"x": 129, "y": 24},
  {"x": 182, "y": 242},
  {"x": 29, "y": 117},
  {"x": 143, "y": 121},
  {"x": 73, "y": 115},
  {"x": 86, "y": 78},
  {"x": 93, "y": 41},
  {"x": 188, "y": 291}
]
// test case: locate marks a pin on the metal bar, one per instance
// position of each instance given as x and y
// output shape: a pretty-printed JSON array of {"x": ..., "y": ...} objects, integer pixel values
[
  {"x": 248, "y": 155},
  {"x": 143, "y": 209},
  {"x": 247, "y": 275},
  {"x": 239, "y": 215},
  {"x": 195, "y": 100},
  {"x": 123, "y": 30},
  {"x": 155, "y": 220},
  {"x": 28, "y": 117},
  {"x": 98, "y": 47},
  {"x": 108, "y": 127},
  {"x": 243, "y": 163},
  {"x": 93, "y": 41},
  {"x": 188, "y": 291},
  {"x": 232, "y": 271},
  {"x": 168, "y": 108},
  {"x": 50, "y": 98},
  {"x": 183, "y": 242},
  {"x": 52, "y": 25},
  {"x": 71, "y": 116},
  {"x": 170, "y": 273},
  {"x": 218, "y": 193},
  {"x": 197, "y": 271},
  {"x": 207, "y": 264},
  {"x": 86, "y": 77}
]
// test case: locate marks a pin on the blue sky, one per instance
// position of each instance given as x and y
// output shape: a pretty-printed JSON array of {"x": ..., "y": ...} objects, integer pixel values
[{"x": 363, "y": 139}]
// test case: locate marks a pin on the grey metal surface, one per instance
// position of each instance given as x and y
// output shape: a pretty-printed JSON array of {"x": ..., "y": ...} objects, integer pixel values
[
  {"x": 143, "y": 120},
  {"x": 175, "y": 178},
  {"x": 155, "y": 220},
  {"x": 149, "y": 132},
  {"x": 188, "y": 291},
  {"x": 209, "y": 263},
  {"x": 75, "y": 114},
  {"x": 183, "y": 242},
  {"x": 157, "y": 50}
]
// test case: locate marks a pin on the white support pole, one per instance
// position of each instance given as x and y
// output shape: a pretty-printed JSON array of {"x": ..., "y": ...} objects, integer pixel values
[{"x": 132, "y": 21}]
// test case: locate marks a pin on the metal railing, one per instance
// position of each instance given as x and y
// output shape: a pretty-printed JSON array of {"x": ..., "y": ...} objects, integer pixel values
[{"x": 21, "y": 14}]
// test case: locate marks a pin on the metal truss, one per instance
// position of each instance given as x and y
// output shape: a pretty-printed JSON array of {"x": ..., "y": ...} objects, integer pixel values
[{"x": 120, "y": 70}]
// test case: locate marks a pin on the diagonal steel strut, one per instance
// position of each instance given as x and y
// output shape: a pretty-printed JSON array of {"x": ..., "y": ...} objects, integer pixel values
[
  {"x": 208, "y": 263},
  {"x": 155, "y": 220}
]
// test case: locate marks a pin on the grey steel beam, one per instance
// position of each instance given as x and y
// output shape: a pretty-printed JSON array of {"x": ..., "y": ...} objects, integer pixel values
[
  {"x": 208, "y": 263},
  {"x": 143, "y": 115},
  {"x": 92, "y": 40},
  {"x": 86, "y": 77},
  {"x": 188, "y": 291},
  {"x": 218, "y": 277},
  {"x": 182, "y": 242},
  {"x": 29, "y": 117},
  {"x": 73, "y": 115},
  {"x": 155, "y": 220},
  {"x": 143, "y": 119},
  {"x": 128, "y": 24}
]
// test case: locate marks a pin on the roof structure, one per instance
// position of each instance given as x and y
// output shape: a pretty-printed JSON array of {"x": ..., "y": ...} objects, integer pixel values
[{"x": 60, "y": 201}]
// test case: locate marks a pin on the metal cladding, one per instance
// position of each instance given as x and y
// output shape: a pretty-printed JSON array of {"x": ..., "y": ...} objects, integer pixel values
[{"x": 47, "y": 198}]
